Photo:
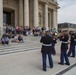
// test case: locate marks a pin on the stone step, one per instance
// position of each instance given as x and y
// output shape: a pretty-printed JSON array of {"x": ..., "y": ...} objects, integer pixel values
[
  {"x": 29, "y": 45},
  {"x": 18, "y": 50},
  {"x": 18, "y": 46}
]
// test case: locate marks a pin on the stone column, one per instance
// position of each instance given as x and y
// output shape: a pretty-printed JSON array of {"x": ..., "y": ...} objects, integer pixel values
[
  {"x": 46, "y": 16},
  {"x": 26, "y": 12},
  {"x": 55, "y": 19},
  {"x": 1, "y": 18},
  {"x": 36, "y": 17},
  {"x": 49, "y": 20},
  {"x": 16, "y": 16},
  {"x": 21, "y": 12}
]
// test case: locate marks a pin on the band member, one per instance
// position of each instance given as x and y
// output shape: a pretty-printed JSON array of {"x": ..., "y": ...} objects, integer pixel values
[
  {"x": 46, "y": 49},
  {"x": 4, "y": 40},
  {"x": 53, "y": 44},
  {"x": 64, "y": 48},
  {"x": 72, "y": 45}
]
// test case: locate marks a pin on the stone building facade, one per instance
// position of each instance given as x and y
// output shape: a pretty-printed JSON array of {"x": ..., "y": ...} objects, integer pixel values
[{"x": 31, "y": 13}]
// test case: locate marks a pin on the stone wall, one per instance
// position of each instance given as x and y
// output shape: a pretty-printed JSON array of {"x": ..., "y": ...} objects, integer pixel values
[{"x": 9, "y": 5}]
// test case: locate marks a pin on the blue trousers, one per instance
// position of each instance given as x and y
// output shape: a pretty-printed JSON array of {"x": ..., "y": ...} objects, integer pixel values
[
  {"x": 72, "y": 50},
  {"x": 53, "y": 49},
  {"x": 64, "y": 56},
  {"x": 44, "y": 57}
]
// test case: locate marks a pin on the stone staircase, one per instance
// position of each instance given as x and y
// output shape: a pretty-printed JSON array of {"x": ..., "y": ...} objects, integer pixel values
[{"x": 30, "y": 43}]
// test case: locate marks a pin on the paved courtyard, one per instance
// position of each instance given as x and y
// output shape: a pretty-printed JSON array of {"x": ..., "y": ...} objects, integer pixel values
[{"x": 25, "y": 59}]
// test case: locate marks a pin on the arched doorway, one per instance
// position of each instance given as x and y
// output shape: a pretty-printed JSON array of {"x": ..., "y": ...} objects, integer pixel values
[{"x": 8, "y": 16}]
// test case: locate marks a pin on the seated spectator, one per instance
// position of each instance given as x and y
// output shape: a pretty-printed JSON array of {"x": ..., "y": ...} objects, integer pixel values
[
  {"x": 27, "y": 33},
  {"x": 10, "y": 35},
  {"x": 36, "y": 34},
  {"x": 24, "y": 32},
  {"x": 20, "y": 39},
  {"x": 5, "y": 34},
  {"x": 15, "y": 39},
  {"x": 31, "y": 33},
  {"x": 5, "y": 40},
  {"x": 40, "y": 33}
]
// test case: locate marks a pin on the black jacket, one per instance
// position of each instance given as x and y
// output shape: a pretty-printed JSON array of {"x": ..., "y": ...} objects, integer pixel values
[
  {"x": 75, "y": 39},
  {"x": 46, "y": 40},
  {"x": 65, "y": 38},
  {"x": 72, "y": 39}
]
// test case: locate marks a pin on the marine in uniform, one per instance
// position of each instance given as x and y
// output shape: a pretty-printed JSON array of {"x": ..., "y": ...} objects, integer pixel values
[
  {"x": 64, "y": 48},
  {"x": 46, "y": 49},
  {"x": 72, "y": 45}
]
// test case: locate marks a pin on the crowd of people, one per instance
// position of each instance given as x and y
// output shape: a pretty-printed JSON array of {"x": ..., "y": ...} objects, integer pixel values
[
  {"x": 17, "y": 32},
  {"x": 36, "y": 31}
]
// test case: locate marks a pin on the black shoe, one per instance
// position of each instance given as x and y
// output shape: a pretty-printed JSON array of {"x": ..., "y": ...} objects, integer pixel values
[
  {"x": 44, "y": 70},
  {"x": 61, "y": 63},
  {"x": 51, "y": 67},
  {"x": 72, "y": 56},
  {"x": 67, "y": 64}
]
